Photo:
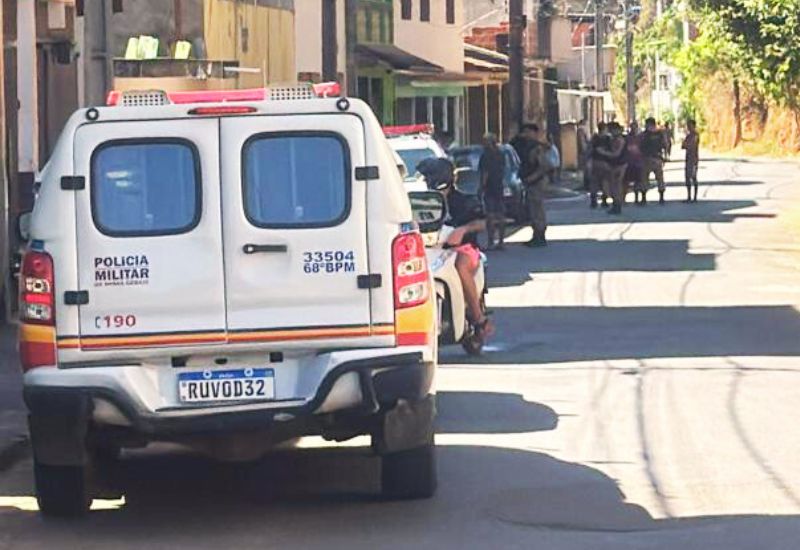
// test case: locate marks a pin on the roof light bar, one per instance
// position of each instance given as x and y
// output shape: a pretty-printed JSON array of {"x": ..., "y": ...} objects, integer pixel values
[
  {"x": 118, "y": 98},
  {"x": 412, "y": 129}
]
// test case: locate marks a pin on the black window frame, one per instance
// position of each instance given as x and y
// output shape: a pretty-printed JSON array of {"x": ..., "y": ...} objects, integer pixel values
[
  {"x": 406, "y": 10},
  {"x": 425, "y": 10},
  {"x": 348, "y": 174},
  {"x": 198, "y": 186},
  {"x": 450, "y": 12}
]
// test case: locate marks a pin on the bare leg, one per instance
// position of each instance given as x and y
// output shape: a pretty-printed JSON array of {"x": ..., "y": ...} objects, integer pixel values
[{"x": 467, "y": 275}]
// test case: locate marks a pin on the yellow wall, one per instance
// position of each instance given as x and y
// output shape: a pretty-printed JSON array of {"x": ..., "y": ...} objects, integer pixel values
[{"x": 269, "y": 44}]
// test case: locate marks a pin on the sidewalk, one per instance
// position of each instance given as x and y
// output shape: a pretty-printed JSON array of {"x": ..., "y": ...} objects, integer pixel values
[{"x": 13, "y": 416}]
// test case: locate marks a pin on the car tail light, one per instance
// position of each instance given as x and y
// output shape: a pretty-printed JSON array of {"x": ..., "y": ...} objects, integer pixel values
[
  {"x": 411, "y": 277},
  {"x": 37, "y": 310}
]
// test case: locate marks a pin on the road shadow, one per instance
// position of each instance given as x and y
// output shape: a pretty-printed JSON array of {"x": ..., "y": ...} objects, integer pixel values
[
  {"x": 489, "y": 497},
  {"x": 590, "y": 256},
  {"x": 565, "y": 334},
  {"x": 488, "y": 412},
  {"x": 704, "y": 211}
]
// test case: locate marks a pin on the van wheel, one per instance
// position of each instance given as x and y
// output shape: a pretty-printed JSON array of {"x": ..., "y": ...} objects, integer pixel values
[
  {"x": 62, "y": 491},
  {"x": 409, "y": 474}
]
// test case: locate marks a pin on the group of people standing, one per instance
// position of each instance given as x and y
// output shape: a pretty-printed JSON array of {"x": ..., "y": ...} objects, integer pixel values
[
  {"x": 539, "y": 160},
  {"x": 614, "y": 162}
]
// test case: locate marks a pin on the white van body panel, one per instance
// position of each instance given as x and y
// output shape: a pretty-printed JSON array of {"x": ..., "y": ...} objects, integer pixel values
[{"x": 144, "y": 289}]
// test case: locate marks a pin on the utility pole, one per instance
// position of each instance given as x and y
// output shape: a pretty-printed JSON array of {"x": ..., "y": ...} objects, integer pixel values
[
  {"x": 330, "y": 48},
  {"x": 515, "y": 65},
  {"x": 599, "y": 38},
  {"x": 351, "y": 33},
  {"x": 630, "y": 85},
  {"x": 97, "y": 77}
]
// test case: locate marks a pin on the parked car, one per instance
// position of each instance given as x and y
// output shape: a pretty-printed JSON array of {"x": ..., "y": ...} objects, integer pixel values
[
  {"x": 466, "y": 160},
  {"x": 211, "y": 271}
]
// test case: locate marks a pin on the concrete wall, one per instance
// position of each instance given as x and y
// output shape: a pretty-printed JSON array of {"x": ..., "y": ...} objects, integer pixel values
[
  {"x": 560, "y": 39},
  {"x": 434, "y": 40},
  {"x": 308, "y": 29},
  {"x": 570, "y": 69}
]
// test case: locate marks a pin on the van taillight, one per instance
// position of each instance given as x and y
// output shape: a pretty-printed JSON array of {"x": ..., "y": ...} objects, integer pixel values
[
  {"x": 37, "y": 311},
  {"x": 411, "y": 277}
]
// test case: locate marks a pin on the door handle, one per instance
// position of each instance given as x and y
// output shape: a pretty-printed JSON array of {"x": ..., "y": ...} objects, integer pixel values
[{"x": 264, "y": 248}]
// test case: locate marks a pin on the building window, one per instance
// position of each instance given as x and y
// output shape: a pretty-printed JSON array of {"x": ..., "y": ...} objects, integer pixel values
[
  {"x": 425, "y": 10},
  {"x": 450, "y": 12},
  {"x": 405, "y": 9}
]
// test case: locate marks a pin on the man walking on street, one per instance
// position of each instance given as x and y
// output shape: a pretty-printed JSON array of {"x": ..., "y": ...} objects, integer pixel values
[
  {"x": 534, "y": 173},
  {"x": 691, "y": 144},
  {"x": 652, "y": 147},
  {"x": 492, "y": 169}
]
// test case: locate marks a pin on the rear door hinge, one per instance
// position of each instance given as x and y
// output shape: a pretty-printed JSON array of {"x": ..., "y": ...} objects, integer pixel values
[
  {"x": 373, "y": 280},
  {"x": 73, "y": 183},
  {"x": 76, "y": 297},
  {"x": 365, "y": 173}
]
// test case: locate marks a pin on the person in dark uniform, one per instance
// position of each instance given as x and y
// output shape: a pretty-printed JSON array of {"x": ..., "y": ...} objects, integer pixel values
[
  {"x": 534, "y": 174},
  {"x": 492, "y": 167},
  {"x": 615, "y": 156},
  {"x": 599, "y": 180},
  {"x": 652, "y": 147}
]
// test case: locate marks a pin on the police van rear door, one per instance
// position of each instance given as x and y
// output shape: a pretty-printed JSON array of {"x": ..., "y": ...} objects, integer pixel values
[
  {"x": 148, "y": 235},
  {"x": 295, "y": 232}
]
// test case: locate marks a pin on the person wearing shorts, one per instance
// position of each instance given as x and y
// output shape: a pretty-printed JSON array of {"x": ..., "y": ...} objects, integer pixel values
[
  {"x": 465, "y": 215},
  {"x": 492, "y": 168}
]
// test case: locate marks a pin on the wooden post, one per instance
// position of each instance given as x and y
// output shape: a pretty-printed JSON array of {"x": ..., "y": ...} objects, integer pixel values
[
  {"x": 330, "y": 48},
  {"x": 351, "y": 32},
  {"x": 516, "y": 62}
]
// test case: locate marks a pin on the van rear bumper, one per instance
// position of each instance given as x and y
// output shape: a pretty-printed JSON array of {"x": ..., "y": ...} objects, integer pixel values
[{"x": 62, "y": 416}]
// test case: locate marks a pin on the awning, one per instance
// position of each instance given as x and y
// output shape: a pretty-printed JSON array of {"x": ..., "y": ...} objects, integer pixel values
[{"x": 394, "y": 57}]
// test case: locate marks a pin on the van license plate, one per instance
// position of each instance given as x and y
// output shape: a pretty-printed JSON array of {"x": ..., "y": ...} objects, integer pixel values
[{"x": 226, "y": 385}]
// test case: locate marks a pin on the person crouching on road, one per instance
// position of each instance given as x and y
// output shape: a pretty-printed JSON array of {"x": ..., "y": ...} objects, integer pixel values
[
  {"x": 691, "y": 144},
  {"x": 534, "y": 174},
  {"x": 599, "y": 165},
  {"x": 465, "y": 215},
  {"x": 492, "y": 167},
  {"x": 616, "y": 158},
  {"x": 652, "y": 146}
]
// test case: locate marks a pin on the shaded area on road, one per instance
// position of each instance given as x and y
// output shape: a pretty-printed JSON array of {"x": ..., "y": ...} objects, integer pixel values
[
  {"x": 704, "y": 211},
  {"x": 589, "y": 256},
  {"x": 486, "y": 412},
  {"x": 325, "y": 498},
  {"x": 564, "y": 334}
]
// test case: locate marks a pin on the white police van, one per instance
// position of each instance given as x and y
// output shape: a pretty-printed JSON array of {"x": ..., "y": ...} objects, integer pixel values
[{"x": 227, "y": 270}]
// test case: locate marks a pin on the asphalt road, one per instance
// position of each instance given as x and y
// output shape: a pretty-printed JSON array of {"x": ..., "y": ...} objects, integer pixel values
[{"x": 642, "y": 392}]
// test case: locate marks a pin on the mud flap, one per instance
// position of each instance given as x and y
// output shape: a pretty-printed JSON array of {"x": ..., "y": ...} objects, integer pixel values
[
  {"x": 58, "y": 425},
  {"x": 408, "y": 426}
]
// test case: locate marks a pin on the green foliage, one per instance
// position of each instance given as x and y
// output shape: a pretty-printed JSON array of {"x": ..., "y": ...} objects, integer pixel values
[{"x": 763, "y": 42}]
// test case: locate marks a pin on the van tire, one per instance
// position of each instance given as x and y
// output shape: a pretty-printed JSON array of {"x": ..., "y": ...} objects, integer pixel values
[
  {"x": 408, "y": 475},
  {"x": 62, "y": 491}
]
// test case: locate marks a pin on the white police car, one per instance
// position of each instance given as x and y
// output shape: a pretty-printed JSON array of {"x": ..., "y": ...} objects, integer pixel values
[
  {"x": 413, "y": 144},
  {"x": 228, "y": 270}
]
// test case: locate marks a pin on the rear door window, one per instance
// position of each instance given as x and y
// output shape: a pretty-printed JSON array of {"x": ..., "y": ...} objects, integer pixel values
[
  {"x": 146, "y": 187},
  {"x": 296, "y": 180}
]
